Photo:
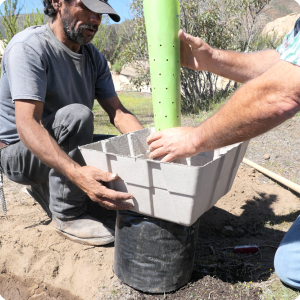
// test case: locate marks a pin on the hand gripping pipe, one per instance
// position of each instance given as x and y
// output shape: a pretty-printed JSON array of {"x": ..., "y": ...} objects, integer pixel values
[{"x": 162, "y": 19}]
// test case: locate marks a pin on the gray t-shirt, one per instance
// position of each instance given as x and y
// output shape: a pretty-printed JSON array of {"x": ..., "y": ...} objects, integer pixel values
[{"x": 37, "y": 66}]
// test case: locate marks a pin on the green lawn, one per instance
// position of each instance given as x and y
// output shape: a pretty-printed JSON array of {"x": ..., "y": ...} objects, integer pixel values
[{"x": 140, "y": 105}]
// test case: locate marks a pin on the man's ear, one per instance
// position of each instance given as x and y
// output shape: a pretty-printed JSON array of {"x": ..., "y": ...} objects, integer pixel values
[{"x": 56, "y": 4}]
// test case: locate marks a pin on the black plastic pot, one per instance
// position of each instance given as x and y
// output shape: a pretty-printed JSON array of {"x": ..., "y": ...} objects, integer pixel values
[{"x": 153, "y": 255}]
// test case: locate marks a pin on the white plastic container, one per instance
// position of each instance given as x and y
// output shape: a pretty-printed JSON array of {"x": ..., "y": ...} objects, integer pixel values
[{"x": 179, "y": 192}]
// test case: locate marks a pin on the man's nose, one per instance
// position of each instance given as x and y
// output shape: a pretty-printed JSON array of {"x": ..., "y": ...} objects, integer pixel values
[{"x": 96, "y": 18}]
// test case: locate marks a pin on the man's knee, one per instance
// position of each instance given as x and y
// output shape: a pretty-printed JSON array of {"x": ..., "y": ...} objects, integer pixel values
[
  {"x": 74, "y": 113},
  {"x": 287, "y": 264},
  {"x": 74, "y": 120}
]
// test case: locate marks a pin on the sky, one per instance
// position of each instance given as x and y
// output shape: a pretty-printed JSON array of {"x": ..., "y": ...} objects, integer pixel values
[{"x": 120, "y": 6}]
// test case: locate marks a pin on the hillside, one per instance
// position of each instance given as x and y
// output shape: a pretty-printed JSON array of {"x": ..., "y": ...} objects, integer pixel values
[
  {"x": 276, "y": 9},
  {"x": 280, "y": 8}
]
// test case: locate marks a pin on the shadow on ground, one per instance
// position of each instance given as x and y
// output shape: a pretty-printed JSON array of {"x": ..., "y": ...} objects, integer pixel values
[{"x": 219, "y": 272}]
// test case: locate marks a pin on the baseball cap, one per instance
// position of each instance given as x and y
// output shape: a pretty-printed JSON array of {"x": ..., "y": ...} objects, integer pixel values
[{"x": 102, "y": 7}]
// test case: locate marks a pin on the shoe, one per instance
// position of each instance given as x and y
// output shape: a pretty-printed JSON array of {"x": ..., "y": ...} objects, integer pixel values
[
  {"x": 84, "y": 229},
  {"x": 40, "y": 193}
]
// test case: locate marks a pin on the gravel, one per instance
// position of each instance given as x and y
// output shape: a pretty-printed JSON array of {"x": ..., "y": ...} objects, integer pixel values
[{"x": 282, "y": 145}]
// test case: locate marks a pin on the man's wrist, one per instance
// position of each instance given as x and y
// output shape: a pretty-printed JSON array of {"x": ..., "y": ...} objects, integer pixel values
[
  {"x": 197, "y": 139},
  {"x": 216, "y": 58},
  {"x": 72, "y": 171}
]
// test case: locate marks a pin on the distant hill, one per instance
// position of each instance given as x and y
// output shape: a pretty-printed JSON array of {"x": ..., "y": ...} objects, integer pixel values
[
  {"x": 281, "y": 8},
  {"x": 276, "y": 9}
]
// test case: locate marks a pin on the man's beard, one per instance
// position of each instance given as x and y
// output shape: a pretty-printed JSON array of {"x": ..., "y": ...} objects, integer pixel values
[{"x": 74, "y": 34}]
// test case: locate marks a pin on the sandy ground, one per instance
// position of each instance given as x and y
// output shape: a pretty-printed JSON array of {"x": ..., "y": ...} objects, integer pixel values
[
  {"x": 38, "y": 263},
  {"x": 31, "y": 250}
]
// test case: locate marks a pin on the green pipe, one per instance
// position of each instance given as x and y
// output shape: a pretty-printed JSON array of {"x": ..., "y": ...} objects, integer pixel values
[{"x": 162, "y": 19}]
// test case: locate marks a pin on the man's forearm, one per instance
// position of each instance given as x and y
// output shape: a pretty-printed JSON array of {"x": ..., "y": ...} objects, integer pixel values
[
  {"x": 126, "y": 122},
  {"x": 242, "y": 67},
  {"x": 43, "y": 146},
  {"x": 119, "y": 116},
  {"x": 255, "y": 108}
]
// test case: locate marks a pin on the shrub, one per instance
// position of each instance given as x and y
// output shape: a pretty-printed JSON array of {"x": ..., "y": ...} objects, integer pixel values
[
  {"x": 224, "y": 24},
  {"x": 117, "y": 67}
]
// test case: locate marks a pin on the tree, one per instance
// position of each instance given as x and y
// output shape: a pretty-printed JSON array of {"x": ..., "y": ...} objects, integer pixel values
[
  {"x": 110, "y": 39},
  {"x": 224, "y": 24},
  {"x": 135, "y": 51},
  {"x": 34, "y": 19},
  {"x": 10, "y": 20}
]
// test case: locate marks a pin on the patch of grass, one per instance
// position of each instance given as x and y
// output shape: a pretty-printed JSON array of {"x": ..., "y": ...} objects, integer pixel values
[
  {"x": 114, "y": 292},
  {"x": 139, "y": 104}
]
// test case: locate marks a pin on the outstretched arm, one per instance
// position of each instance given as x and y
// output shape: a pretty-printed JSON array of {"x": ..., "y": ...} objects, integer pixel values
[
  {"x": 119, "y": 116},
  {"x": 255, "y": 108},
  {"x": 37, "y": 139},
  {"x": 240, "y": 67}
]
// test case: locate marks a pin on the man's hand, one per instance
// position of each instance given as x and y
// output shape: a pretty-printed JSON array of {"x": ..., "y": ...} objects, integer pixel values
[
  {"x": 89, "y": 180},
  {"x": 38, "y": 140},
  {"x": 256, "y": 107},
  {"x": 195, "y": 53},
  {"x": 175, "y": 143}
]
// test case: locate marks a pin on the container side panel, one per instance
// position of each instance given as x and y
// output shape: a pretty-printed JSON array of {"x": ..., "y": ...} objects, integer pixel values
[
  {"x": 163, "y": 205},
  {"x": 138, "y": 142},
  {"x": 135, "y": 171},
  {"x": 143, "y": 202}
]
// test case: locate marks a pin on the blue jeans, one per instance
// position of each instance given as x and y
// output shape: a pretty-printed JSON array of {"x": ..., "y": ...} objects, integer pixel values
[
  {"x": 71, "y": 126},
  {"x": 287, "y": 257}
]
